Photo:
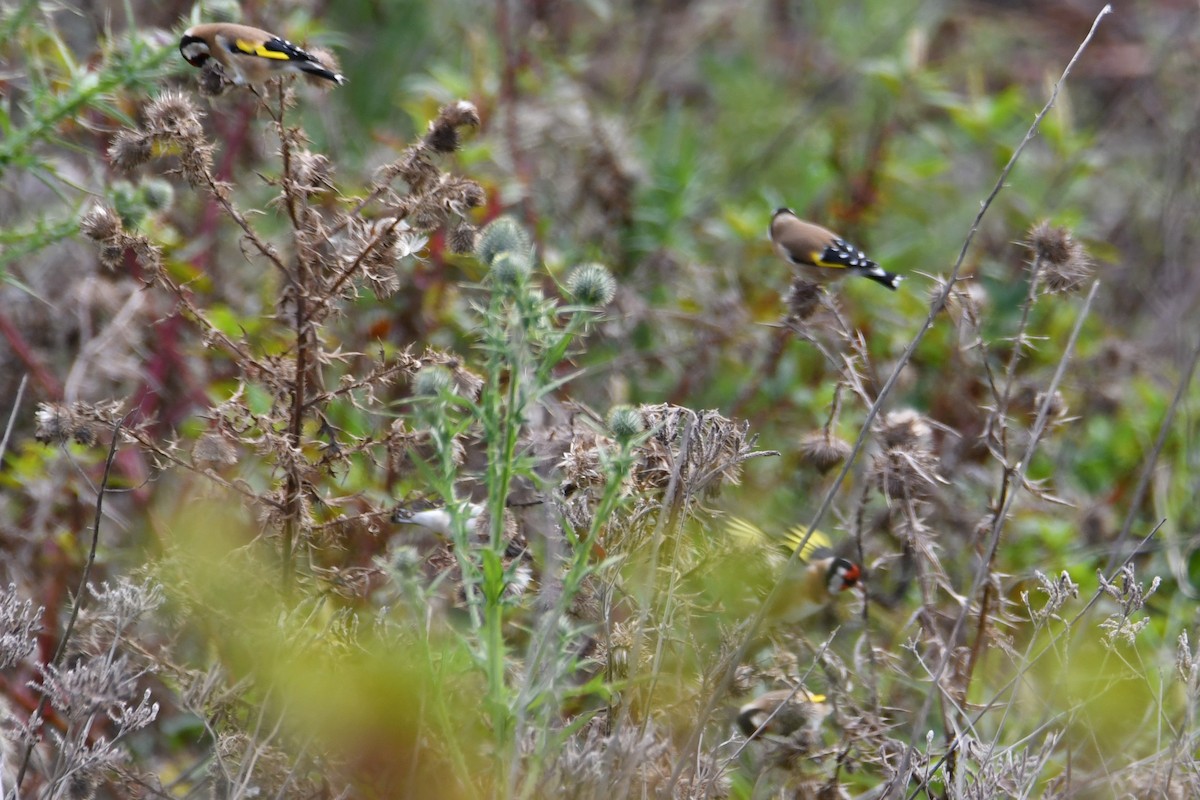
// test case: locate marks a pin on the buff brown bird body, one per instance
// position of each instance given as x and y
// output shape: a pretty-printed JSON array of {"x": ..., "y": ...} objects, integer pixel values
[
  {"x": 249, "y": 56},
  {"x": 819, "y": 254}
]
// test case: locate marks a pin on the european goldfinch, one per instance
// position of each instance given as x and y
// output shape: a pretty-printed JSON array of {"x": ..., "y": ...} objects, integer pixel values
[
  {"x": 819, "y": 254},
  {"x": 439, "y": 557},
  {"x": 824, "y": 574},
  {"x": 249, "y": 56},
  {"x": 782, "y": 713}
]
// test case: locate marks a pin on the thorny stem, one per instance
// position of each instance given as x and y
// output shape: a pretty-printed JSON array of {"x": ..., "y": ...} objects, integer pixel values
[
  {"x": 59, "y": 651},
  {"x": 686, "y": 756},
  {"x": 12, "y": 417},
  {"x": 300, "y": 287},
  {"x": 1027, "y": 663},
  {"x": 1001, "y": 515},
  {"x": 671, "y": 500}
]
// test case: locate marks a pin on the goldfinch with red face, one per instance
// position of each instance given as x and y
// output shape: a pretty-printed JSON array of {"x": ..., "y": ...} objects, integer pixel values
[
  {"x": 809, "y": 589},
  {"x": 249, "y": 56},
  {"x": 819, "y": 254}
]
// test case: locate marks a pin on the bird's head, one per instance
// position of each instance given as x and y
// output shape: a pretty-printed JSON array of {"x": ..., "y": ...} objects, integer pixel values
[
  {"x": 193, "y": 49},
  {"x": 841, "y": 575}
]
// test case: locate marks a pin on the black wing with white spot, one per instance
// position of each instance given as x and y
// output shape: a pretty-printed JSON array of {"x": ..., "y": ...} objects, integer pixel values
[{"x": 841, "y": 253}]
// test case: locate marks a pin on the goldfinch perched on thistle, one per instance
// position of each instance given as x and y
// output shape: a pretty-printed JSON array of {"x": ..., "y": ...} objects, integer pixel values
[
  {"x": 249, "y": 56},
  {"x": 440, "y": 560},
  {"x": 819, "y": 254},
  {"x": 822, "y": 577},
  {"x": 782, "y": 713}
]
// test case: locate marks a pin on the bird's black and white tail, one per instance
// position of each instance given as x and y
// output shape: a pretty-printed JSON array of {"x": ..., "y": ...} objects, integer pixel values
[
  {"x": 889, "y": 279},
  {"x": 317, "y": 69}
]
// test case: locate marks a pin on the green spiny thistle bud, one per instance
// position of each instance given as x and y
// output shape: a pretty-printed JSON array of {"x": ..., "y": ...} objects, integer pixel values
[
  {"x": 158, "y": 194},
  {"x": 592, "y": 285},
  {"x": 502, "y": 235},
  {"x": 431, "y": 381},
  {"x": 128, "y": 203},
  {"x": 510, "y": 268},
  {"x": 625, "y": 422}
]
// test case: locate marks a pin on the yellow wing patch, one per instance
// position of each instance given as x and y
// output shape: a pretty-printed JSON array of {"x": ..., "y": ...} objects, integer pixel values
[
  {"x": 817, "y": 541},
  {"x": 816, "y": 259},
  {"x": 260, "y": 50},
  {"x": 745, "y": 534}
]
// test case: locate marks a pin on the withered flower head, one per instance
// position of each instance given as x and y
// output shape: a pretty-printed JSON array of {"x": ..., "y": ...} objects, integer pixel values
[
  {"x": 905, "y": 430},
  {"x": 905, "y": 474},
  {"x": 460, "y": 113},
  {"x": 129, "y": 150},
  {"x": 462, "y": 238},
  {"x": 1059, "y": 261},
  {"x": 213, "y": 450},
  {"x": 466, "y": 383},
  {"x": 1056, "y": 404},
  {"x": 58, "y": 423},
  {"x": 213, "y": 80},
  {"x": 313, "y": 171},
  {"x": 802, "y": 300},
  {"x": 174, "y": 116},
  {"x": 100, "y": 224},
  {"x": 823, "y": 450}
]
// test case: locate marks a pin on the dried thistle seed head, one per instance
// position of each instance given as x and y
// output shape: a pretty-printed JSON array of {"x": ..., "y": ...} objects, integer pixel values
[
  {"x": 1056, "y": 404},
  {"x": 904, "y": 474},
  {"x": 158, "y": 194},
  {"x": 625, "y": 423},
  {"x": 460, "y": 113},
  {"x": 407, "y": 447},
  {"x": 214, "y": 450},
  {"x": 384, "y": 283},
  {"x": 466, "y": 383},
  {"x": 313, "y": 171},
  {"x": 502, "y": 235},
  {"x": 1059, "y": 261},
  {"x": 462, "y": 238},
  {"x": 129, "y": 150},
  {"x": 212, "y": 79},
  {"x": 442, "y": 138},
  {"x": 510, "y": 269},
  {"x": 592, "y": 285},
  {"x": 100, "y": 224},
  {"x": 823, "y": 450},
  {"x": 431, "y": 381},
  {"x": 329, "y": 61},
  {"x": 112, "y": 253},
  {"x": 148, "y": 254},
  {"x": 173, "y": 116},
  {"x": 58, "y": 423},
  {"x": 965, "y": 301},
  {"x": 195, "y": 162},
  {"x": 905, "y": 430},
  {"x": 803, "y": 299}
]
